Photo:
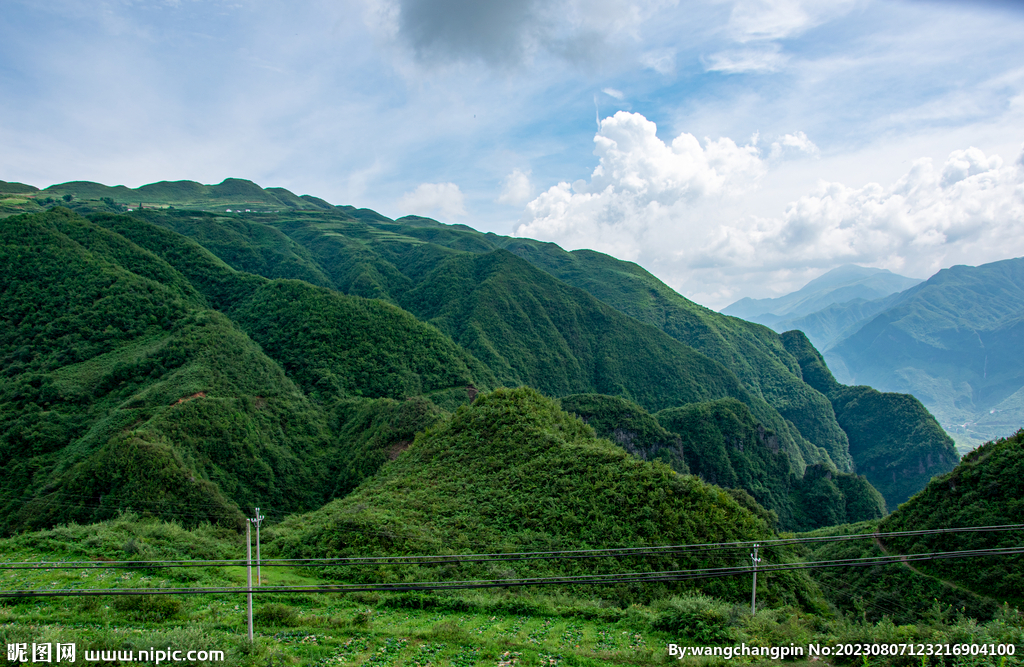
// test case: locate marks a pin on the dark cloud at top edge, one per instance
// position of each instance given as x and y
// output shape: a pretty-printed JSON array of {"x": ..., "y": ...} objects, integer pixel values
[
  {"x": 499, "y": 32},
  {"x": 503, "y": 33}
]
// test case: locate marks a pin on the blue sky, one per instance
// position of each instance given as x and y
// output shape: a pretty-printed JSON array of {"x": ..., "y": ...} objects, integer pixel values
[{"x": 734, "y": 148}]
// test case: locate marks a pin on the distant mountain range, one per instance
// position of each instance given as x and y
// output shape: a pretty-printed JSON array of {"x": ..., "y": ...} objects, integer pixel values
[
  {"x": 827, "y": 306},
  {"x": 955, "y": 341}
]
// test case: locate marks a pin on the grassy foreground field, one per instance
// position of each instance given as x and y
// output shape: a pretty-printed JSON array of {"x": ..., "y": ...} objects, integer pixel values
[{"x": 457, "y": 629}]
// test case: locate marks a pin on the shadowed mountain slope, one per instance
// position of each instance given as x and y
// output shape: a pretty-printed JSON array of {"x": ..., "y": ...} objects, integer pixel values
[
  {"x": 629, "y": 426},
  {"x": 721, "y": 442},
  {"x": 894, "y": 441}
]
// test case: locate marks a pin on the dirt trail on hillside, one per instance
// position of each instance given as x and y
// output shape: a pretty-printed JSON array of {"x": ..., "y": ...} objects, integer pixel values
[{"x": 945, "y": 582}]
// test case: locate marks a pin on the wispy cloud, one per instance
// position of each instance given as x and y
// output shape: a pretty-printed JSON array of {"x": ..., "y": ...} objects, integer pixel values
[
  {"x": 444, "y": 199},
  {"x": 762, "y": 59}
]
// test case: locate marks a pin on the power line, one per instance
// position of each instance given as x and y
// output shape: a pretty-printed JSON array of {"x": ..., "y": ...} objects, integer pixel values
[
  {"x": 442, "y": 559},
  {"x": 633, "y": 577}
]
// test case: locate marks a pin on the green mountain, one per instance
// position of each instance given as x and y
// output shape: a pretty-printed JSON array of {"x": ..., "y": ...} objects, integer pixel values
[
  {"x": 420, "y": 265},
  {"x": 403, "y": 261},
  {"x": 347, "y": 312},
  {"x": 416, "y": 246},
  {"x": 121, "y": 387},
  {"x": 722, "y": 443},
  {"x": 512, "y": 472},
  {"x": 17, "y": 188},
  {"x": 232, "y": 192},
  {"x": 985, "y": 489},
  {"x": 753, "y": 353},
  {"x": 954, "y": 342},
  {"x": 725, "y": 445},
  {"x": 897, "y": 444},
  {"x": 335, "y": 345}
]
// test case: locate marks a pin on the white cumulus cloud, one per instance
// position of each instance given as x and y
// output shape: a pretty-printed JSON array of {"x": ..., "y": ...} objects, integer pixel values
[
  {"x": 796, "y": 142},
  {"x": 683, "y": 209},
  {"x": 516, "y": 189},
  {"x": 640, "y": 188},
  {"x": 969, "y": 210},
  {"x": 444, "y": 199}
]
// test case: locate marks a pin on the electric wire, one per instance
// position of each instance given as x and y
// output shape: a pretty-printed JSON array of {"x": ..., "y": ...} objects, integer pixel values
[
  {"x": 612, "y": 552},
  {"x": 633, "y": 577}
]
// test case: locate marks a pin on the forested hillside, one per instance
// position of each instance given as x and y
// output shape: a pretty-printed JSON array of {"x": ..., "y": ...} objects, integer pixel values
[
  {"x": 512, "y": 473},
  {"x": 385, "y": 388},
  {"x": 898, "y": 445},
  {"x": 721, "y": 442},
  {"x": 122, "y": 388},
  {"x": 270, "y": 357},
  {"x": 985, "y": 489}
]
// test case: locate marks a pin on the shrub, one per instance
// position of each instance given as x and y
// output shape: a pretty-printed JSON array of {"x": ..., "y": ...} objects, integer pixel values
[
  {"x": 147, "y": 607},
  {"x": 275, "y": 614},
  {"x": 703, "y": 619}
]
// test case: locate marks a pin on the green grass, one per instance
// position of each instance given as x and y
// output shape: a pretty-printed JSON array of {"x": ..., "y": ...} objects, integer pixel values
[{"x": 462, "y": 629}]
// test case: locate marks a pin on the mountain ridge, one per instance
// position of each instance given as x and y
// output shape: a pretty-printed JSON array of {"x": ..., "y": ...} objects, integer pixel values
[
  {"x": 526, "y": 311},
  {"x": 837, "y": 286}
]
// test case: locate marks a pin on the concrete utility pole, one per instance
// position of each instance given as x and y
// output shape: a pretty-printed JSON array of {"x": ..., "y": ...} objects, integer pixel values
[
  {"x": 753, "y": 590},
  {"x": 248, "y": 576},
  {"x": 256, "y": 521}
]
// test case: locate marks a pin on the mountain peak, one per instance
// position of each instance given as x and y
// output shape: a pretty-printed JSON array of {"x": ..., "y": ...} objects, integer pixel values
[{"x": 840, "y": 285}]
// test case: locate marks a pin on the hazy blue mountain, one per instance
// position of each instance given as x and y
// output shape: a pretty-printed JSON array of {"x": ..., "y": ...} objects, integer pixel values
[
  {"x": 840, "y": 285},
  {"x": 956, "y": 342},
  {"x": 833, "y": 323}
]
